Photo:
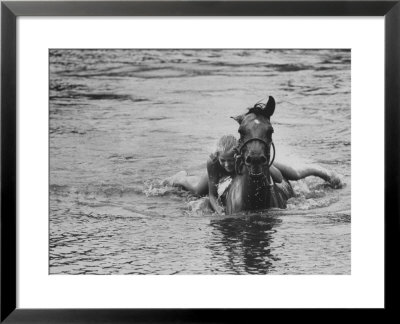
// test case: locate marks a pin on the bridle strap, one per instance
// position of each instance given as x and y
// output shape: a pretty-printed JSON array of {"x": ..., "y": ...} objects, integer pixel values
[
  {"x": 240, "y": 149},
  {"x": 238, "y": 163},
  {"x": 273, "y": 156}
]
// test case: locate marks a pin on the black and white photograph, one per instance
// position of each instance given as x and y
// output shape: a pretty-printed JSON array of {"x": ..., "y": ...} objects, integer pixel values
[{"x": 200, "y": 161}]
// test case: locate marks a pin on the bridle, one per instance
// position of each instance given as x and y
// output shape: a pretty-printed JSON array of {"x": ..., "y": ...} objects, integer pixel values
[{"x": 239, "y": 157}]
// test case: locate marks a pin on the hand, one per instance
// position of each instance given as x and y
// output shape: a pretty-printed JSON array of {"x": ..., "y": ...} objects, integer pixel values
[{"x": 335, "y": 181}]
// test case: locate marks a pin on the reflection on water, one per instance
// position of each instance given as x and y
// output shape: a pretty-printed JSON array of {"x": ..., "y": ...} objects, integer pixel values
[
  {"x": 120, "y": 121},
  {"x": 246, "y": 242}
]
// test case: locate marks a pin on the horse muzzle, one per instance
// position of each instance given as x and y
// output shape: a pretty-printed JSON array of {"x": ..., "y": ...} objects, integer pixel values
[{"x": 256, "y": 164}]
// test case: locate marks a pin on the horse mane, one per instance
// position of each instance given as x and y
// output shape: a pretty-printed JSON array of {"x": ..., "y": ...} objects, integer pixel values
[{"x": 257, "y": 109}]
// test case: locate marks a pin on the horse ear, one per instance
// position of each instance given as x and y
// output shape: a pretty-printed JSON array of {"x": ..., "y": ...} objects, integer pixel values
[
  {"x": 238, "y": 118},
  {"x": 270, "y": 107}
]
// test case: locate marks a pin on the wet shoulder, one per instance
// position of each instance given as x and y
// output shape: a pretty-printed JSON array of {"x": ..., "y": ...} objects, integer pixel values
[
  {"x": 213, "y": 159},
  {"x": 213, "y": 164}
]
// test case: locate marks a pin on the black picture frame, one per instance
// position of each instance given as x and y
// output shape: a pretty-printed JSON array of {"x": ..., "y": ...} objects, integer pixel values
[{"x": 10, "y": 10}]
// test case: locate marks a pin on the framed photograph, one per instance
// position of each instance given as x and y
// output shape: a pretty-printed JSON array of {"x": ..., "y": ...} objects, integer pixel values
[{"x": 183, "y": 161}]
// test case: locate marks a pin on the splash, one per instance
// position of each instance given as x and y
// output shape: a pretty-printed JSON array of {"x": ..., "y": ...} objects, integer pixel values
[
  {"x": 157, "y": 188},
  {"x": 154, "y": 188},
  {"x": 311, "y": 193},
  {"x": 302, "y": 203},
  {"x": 195, "y": 205},
  {"x": 199, "y": 207}
]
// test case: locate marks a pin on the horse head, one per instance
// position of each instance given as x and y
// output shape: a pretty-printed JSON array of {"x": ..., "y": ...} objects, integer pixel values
[{"x": 254, "y": 149}]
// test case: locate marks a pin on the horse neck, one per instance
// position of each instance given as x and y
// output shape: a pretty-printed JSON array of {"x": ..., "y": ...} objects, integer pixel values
[{"x": 256, "y": 191}]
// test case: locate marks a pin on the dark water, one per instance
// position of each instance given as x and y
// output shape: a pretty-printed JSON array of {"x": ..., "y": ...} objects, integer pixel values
[{"x": 123, "y": 120}]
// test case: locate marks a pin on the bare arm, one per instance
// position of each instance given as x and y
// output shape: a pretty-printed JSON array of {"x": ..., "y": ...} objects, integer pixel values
[
  {"x": 276, "y": 174},
  {"x": 212, "y": 187},
  {"x": 302, "y": 172}
]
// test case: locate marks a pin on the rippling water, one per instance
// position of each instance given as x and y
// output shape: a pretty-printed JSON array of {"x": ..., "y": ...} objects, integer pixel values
[{"x": 123, "y": 120}]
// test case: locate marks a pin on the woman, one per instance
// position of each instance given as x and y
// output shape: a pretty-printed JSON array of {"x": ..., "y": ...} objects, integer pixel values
[{"x": 220, "y": 170}]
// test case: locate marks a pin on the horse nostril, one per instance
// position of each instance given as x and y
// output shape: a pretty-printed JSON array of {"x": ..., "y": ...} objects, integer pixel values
[
  {"x": 263, "y": 160},
  {"x": 256, "y": 160}
]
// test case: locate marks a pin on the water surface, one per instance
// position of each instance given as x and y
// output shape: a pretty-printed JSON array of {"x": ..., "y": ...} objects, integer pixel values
[{"x": 123, "y": 120}]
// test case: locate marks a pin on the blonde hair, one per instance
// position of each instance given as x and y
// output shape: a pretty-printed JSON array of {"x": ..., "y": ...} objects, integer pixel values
[{"x": 226, "y": 143}]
